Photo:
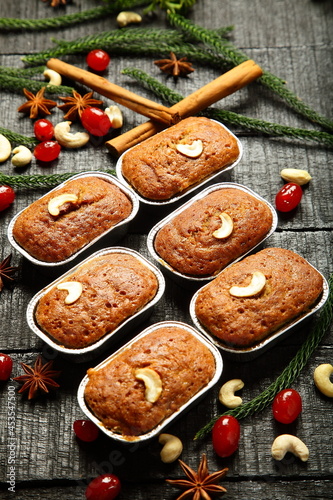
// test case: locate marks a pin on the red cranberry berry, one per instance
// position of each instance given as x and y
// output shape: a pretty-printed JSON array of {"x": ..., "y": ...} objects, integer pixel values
[
  {"x": 287, "y": 405},
  {"x": 47, "y": 151},
  {"x": 288, "y": 197},
  {"x": 98, "y": 60},
  {"x": 6, "y": 365},
  {"x": 85, "y": 430},
  {"x": 7, "y": 196},
  {"x": 104, "y": 487},
  {"x": 225, "y": 435},
  {"x": 43, "y": 130},
  {"x": 96, "y": 121}
]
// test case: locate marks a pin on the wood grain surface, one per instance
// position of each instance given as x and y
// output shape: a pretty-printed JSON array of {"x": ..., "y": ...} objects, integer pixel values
[{"x": 293, "y": 40}]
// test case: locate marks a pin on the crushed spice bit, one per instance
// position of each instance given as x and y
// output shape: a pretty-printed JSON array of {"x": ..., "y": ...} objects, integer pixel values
[
  {"x": 38, "y": 378},
  {"x": 36, "y": 104},
  {"x": 175, "y": 67},
  {"x": 74, "y": 106},
  {"x": 6, "y": 271},
  {"x": 199, "y": 484}
]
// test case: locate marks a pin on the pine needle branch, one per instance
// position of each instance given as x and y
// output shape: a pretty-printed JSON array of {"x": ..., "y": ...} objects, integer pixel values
[
  {"x": 22, "y": 72},
  {"x": 16, "y": 84},
  {"x": 229, "y": 117},
  {"x": 38, "y": 181},
  {"x": 13, "y": 24},
  {"x": 289, "y": 374},
  {"x": 18, "y": 139},
  {"x": 235, "y": 56}
]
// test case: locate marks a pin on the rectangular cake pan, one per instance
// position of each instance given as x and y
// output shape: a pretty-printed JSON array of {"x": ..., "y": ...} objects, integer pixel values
[
  {"x": 183, "y": 278},
  {"x": 194, "y": 400},
  {"x": 109, "y": 237},
  {"x": 249, "y": 353},
  {"x": 86, "y": 353},
  {"x": 187, "y": 191}
]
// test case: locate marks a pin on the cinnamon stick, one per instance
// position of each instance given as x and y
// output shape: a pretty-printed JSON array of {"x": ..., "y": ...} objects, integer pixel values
[
  {"x": 136, "y": 103},
  {"x": 226, "y": 84}
]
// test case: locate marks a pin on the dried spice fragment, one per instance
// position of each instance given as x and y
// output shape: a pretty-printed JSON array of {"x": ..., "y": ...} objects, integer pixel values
[
  {"x": 56, "y": 3},
  {"x": 36, "y": 104},
  {"x": 6, "y": 271},
  {"x": 38, "y": 378},
  {"x": 199, "y": 484},
  {"x": 74, "y": 106},
  {"x": 175, "y": 67}
]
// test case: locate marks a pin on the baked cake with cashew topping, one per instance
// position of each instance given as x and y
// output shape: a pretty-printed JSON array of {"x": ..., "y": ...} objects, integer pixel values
[
  {"x": 65, "y": 220},
  {"x": 255, "y": 297},
  {"x": 95, "y": 299},
  {"x": 148, "y": 381},
  {"x": 179, "y": 157},
  {"x": 213, "y": 231}
]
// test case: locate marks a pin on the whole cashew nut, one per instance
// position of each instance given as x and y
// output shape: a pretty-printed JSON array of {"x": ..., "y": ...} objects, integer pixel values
[
  {"x": 172, "y": 448},
  {"x": 287, "y": 442},
  {"x": 115, "y": 116},
  {"x": 226, "y": 228},
  {"x": 53, "y": 76},
  {"x": 124, "y": 18},
  {"x": 192, "y": 150},
  {"x": 22, "y": 156},
  {"x": 152, "y": 381},
  {"x": 74, "y": 290},
  {"x": 5, "y": 148},
  {"x": 256, "y": 285},
  {"x": 322, "y": 381},
  {"x": 68, "y": 139},
  {"x": 227, "y": 396}
]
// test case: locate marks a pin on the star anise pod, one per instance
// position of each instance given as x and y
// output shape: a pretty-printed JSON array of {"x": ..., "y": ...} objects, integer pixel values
[
  {"x": 36, "y": 104},
  {"x": 75, "y": 105},
  {"x": 38, "y": 378},
  {"x": 6, "y": 271},
  {"x": 174, "y": 66},
  {"x": 199, "y": 484}
]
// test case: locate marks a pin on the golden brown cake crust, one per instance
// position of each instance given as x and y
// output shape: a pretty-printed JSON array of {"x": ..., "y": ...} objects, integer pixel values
[
  {"x": 100, "y": 206},
  {"x": 115, "y": 286},
  {"x": 187, "y": 242},
  {"x": 158, "y": 171},
  {"x": 292, "y": 287},
  {"x": 184, "y": 364}
]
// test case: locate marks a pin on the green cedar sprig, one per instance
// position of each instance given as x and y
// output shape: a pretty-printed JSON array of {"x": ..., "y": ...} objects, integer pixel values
[
  {"x": 289, "y": 374},
  {"x": 120, "y": 41},
  {"x": 16, "y": 84},
  {"x": 13, "y": 24},
  {"x": 18, "y": 139},
  {"x": 229, "y": 117},
  {"x": 38, "y": 181},
  {"x": 173, "y": 6},
  {"x": 22, "y": 72},
  {"x": 234, "y": 56}
]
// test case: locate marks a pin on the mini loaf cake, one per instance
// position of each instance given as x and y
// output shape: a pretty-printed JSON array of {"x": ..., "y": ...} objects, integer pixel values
[
  {"x": 149, "y": 381},
  {"x": 253, "y": 298},
  {"x": 59, "y": 224},
  {"x": 179, "y": 157},
  {"x": 95, "y": 299},
  {"x": 213, "y": 231}
]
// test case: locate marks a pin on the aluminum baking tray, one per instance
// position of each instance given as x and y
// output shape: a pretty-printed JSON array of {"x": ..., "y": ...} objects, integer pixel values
[
  {"x": 194, "y": 400},
  {"x": 86, "y": 353},
  {"x": 180, "y": 277},
  {"x": 249, "y": 353},
  {"x": 187, "y": 191},
  {"x": 110, "y": 236}
]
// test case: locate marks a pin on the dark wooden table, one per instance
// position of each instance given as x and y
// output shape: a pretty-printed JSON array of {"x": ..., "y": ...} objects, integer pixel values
[{"x": 294, "y": 41}]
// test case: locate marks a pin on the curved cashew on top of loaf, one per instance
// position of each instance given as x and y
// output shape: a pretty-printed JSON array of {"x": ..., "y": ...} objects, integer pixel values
[
  {"x": 226, "y": 228},
  {"x": 74, "y": 289},
  {"x": 152, "y": 381},
  {"x": 287, "y": 442},
  {"x": 257, "y": 284},
  {"x": 192, "y": 150},
  {"x": 322, "y": 381}
]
